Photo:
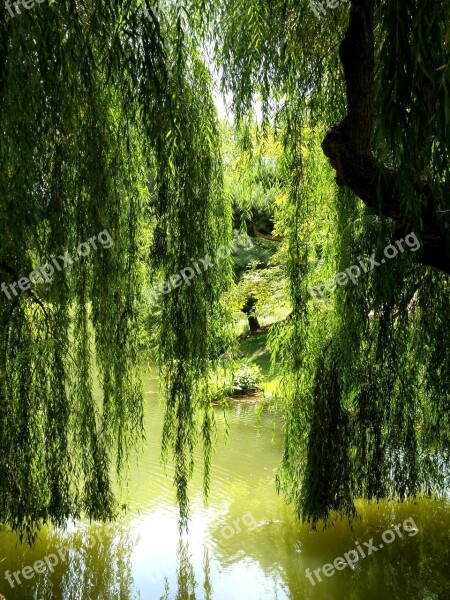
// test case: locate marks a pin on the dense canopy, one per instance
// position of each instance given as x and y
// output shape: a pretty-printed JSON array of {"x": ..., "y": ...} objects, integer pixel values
[{"x": 109, "y": 132}]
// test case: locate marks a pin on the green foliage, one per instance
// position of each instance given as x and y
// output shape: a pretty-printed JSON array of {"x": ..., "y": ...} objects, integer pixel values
[
  {"x": 364, "y": 372},
  {"x": 246, "y": 380},
  {"x": 192, "y": 316},
  {"x": 70, "y": 167},
  {"x": 268, "y": 286},
  {"x": 100, "y": 107},
  {"x": 416, "y": 81},
  {"x": 107, "y": 122},
  {"x": 253, "y": 182},
  {"x": 259, "y": 255}
]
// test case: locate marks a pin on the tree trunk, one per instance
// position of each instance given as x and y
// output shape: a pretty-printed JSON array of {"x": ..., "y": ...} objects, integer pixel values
[
  {"x": 253, "y": 323},
  {"x": 348, "y": 144},
  {"x": 247, "y": 309}
]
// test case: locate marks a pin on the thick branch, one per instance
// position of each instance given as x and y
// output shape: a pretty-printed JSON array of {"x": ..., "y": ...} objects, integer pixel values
[
  {"x": 348, "y": 144},
  {"x": 266, "y": 236}
]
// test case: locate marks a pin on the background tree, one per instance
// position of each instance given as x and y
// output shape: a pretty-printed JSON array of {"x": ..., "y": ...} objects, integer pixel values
[{"x": 254, "y": 186}]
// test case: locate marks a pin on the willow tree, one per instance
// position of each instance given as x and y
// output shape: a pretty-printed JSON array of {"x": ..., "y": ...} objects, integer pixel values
[
  {"x": 362, "y": 94},
  {"x": 107, "y": 125}
]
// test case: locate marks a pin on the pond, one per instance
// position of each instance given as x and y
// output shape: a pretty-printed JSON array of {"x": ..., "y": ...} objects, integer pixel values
[{"x": 245, "y": 544}]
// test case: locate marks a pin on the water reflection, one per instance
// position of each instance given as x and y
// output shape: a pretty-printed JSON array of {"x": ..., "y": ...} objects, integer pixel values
[
  {"x": 413, "y": 567},
  {"x": 267, "y": 562},
  {"x": 83, "y": 564},
  {"x": 186, "y": 582},
  {"x": 246, "y": 544}
]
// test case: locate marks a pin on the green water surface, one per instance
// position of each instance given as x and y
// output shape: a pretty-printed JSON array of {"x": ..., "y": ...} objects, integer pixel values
[{"x": 245, "y": 545}]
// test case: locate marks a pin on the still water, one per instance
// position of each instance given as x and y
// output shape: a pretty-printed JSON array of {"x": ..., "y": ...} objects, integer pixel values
[{"x": 245, "y": 545}]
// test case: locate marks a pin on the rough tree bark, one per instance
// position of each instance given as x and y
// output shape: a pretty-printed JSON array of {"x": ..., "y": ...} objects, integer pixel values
[{"x": 348, "y": 144}]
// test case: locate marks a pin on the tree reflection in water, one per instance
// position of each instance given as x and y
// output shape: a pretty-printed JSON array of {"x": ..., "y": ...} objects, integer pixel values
[
  {"x": 411, "y": 568},
  {"x": 100, "y": 571},
  {"x": 97, "y": 565},
  {"x": 186, "y": 582}
]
